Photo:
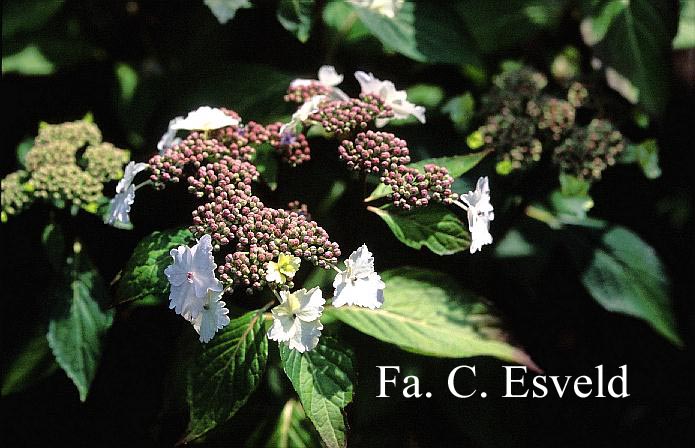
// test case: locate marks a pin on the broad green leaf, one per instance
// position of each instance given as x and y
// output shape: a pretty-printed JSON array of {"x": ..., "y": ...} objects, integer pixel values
[
  {"x": 633, "y": 41},
  {"x": 296, "y": 16},
  {"x": 500, "y": 24},
  {"x": 461, "y": 110},
  {"x": 625, "y": 275},
  {"x": 293, "y": 429},
  {"x": 33, "y": 363},
  {"x": 225, "y": 10},
  {"x": 685, "y": 39},
  {"x": 78, "y": 325},
  {"x": 143, "y": 276},
  {"x": 226, "y": 373},
  {"x": 456, "y": 165},
  {"x": 427, "y": 312},
  {"x": 324, "y": 378},
  {"x": 433, "y": 226},
  {"x": 423, "y": 31}
]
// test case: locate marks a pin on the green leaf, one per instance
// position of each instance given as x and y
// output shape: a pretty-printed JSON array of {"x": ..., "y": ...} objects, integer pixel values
[
  {"x": 225, "y": 10},
  {"x": 423, "y": 31},
  {"x": 685, "y": 39},
  {"x": 28, "y": 61},
  {"x": 127, "y": 81},
  {"x": 427, "y": 312},
  {"x": 624, "y": 275},
  {"x": 500, "y": 24},
  {"x": 143, "y": 276},
  {"x": 23, "y": 148},
  {"x": 433, "y": 226},
  {"x": 428, "y": 95},
  {"x": 296, "y": 16},
  {"x": 33, "y": 363},
  {"x": 266, "y": 162},
  {"x": 461, "y": 110},
  {"x": 633, "y": 41},
  {"x": 646, "y": 155},
  {"x": 456, "y": 165},
  {"x": 341, "y": 16},
  {"x": 78, "y": 325},
  {"x": 324, "y": 378},
  {"x": 293, "y": 429},
  {"x": 226, "y": 373}
]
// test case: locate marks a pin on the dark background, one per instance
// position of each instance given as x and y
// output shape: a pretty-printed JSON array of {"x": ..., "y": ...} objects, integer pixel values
[{"x": 182, "y": 54}]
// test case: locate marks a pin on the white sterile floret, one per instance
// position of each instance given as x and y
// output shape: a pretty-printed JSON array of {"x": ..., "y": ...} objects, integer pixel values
[
  {"x": 480, "y": 213},
  {"x": 169, "y": 138},
  {"x": 213, "y": 317},
  {"x": 204, "y": 119},
  {"x": 388, "y": 8},
  {"x": 396, "y": 99},
  {"x": 302, "y": 114},
  {"x": 359, "y": 284},
  {"x": 191, "y": 275},
  {"x": 119, "y": 207},
  {"x": 327, "y": 75},
  {"x": 296, "y": 319}
]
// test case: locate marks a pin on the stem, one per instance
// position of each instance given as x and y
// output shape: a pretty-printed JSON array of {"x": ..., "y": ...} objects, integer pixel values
[
  {"x": 460, "y": 204},
  {"x": 142, "y": 184}
]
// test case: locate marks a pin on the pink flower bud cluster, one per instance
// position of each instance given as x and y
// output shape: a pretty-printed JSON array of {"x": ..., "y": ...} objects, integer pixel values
[
  {"x": 343, "y": 116},
  {"x": 299, "y": 208},
  {"x": 388, "y": 155},
  {"x": 301, "y": 93},
  {"x": 261, "y": 234},
  {"x": 553, "y": 115},
  {"x": 218, "y": 166},
  {"x": 292, "y": 147}
]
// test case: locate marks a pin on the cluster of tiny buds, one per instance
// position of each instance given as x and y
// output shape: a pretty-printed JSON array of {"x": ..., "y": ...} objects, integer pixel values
[
  {"x": 587, "y": 152},
  {"x": 375, "y": 152},
  {"x": 75, "y": 133},
  {"x": 15, "y": 194},
  {"x": 387, "y": 155},
  {"x": 416, "y": 188},
  {"x": 301, "y": 93},
  {"x": 292, "y": 147},
  {"x": 554, "y": 115},
  {"x": 223, "y": 179},
  {"x": 513, "y": 137},
  {"x": 193, "y": 152},
  {"x": 299, "y": 208},
  {"x": 343, "y": 116}
]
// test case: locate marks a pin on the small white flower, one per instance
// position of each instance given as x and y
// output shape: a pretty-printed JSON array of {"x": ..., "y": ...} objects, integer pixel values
[
  {"x": 388, "y": 8},
  {"x": 397, "y": 99},
  {"x": 191, "y": 275},
  {"x": 309, "y": 107},
  {"x": 204, "y": 119},
  {"x": 296, "y": 319},
  {"x": 286, "y": 267},
  {"x": 119, "y": 207},
  {"x": 358, "y": 284},
  {"x": 329, "y": 78},
  {"x": 169, "y": 138},
  {"x": 213, "y": 317},
  {"x": 480, "y": 213}
]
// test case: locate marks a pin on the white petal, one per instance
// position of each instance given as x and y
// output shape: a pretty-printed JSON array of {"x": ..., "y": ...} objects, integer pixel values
[
  {"x": 306, "y": 337},
  {"x": 205, "y": 118},
  {"x": 119, "y": 208},
  {"x": 368, "y": 83},
  {"x": 310, "y": 304},
  {"x": 214, "y": 318},
  {"x": 169, "y": 137},
  {"x": 283, "y": 327},
  {"x": 329, "y": 77}
]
